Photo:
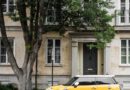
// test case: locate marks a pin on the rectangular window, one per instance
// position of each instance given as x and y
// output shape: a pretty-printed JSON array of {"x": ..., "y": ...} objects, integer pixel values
[
  {"x": 125, "y": 11},
  {"x": 54, "y": 12},
  {"x": 125, "y": 51},
  {"x": 123, "y": 8},
  {"x": 3, "y": 51},
  {"x": 8, "y": 5},
  {"x": 53, "y": 46}
]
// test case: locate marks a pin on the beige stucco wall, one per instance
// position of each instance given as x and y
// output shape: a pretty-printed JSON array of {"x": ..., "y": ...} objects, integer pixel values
[
  {"x": 9, "y": 22},
  {"x": 65, "y": 66},
  {"x": 44, "y": 69},
  {"x": 115, "y": 66}
]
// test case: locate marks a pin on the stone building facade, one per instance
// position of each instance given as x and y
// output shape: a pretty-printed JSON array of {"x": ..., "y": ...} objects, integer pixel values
[{"x": 72, "y": 56}]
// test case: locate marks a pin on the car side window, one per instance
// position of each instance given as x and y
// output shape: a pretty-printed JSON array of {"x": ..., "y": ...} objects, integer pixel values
[
  {"x": 104, "y": 80},
  {"x": 86, "y": 81}
]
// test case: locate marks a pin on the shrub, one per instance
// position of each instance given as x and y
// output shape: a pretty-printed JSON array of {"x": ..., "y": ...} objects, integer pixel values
[{"x": 7, "y": 87}]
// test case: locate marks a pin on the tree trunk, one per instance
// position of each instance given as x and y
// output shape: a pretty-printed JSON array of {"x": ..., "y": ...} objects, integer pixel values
[{"x": 25, "y": 83}]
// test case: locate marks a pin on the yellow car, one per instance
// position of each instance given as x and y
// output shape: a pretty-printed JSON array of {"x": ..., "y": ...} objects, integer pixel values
[{"x": 89, "y": 82}]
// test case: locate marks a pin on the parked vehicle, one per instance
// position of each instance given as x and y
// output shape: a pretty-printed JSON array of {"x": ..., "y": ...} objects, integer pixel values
[{"x": 89, "y": 82}]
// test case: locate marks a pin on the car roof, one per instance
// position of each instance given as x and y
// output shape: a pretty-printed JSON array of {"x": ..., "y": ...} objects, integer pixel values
[{"x": 94, "y": 76}]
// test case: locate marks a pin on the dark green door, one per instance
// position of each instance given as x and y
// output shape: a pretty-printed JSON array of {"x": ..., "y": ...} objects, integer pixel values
[{"x": 89, "y": 60}]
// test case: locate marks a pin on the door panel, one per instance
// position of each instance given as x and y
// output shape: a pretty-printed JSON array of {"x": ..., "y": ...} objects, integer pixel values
[
  {"x": 102, "y": 87},
  {"x": 89, "y": 60},
  {"x": 82, "y": 87}
]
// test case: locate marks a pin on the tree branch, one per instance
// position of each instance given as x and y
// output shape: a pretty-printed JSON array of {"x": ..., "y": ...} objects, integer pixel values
[
  {"x": 12, "y": 59},
  {"x": 21, "y": 7}
]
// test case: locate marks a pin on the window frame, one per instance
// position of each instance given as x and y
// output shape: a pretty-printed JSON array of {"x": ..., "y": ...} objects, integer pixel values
[
  {"x": 7, "y": 61},
  {"x": 7, "y": 6},
  {"x": 126, "y": 10},
  {"x": 127, "y": 53},
  {"x": 55, "y": 64}
]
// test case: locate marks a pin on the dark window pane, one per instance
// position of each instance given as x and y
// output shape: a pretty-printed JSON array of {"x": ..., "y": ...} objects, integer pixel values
[
  {"x": 122, "y": 1},
  {"x": 3, "y": 59},
  {"x": 123, "y": 43},
  {"x": 49, "y": 51},
  {"x": 49, "y": 59},
  {"x": 57, "y": 51},
  {"x": 57, "y": 59},
  {"x": 3, "y": 1},
  {"x": 122, "y": 15},
  {"x": 129, "y": 51},
  {"x": 123, "y": 59},
  {"x": 57, "y": 43},
  {"x": 11, "y": 1},
  {"x": 4, "y": 5},
  {"x": 129, "y": 43},
  {"x": 129, "y": 60},
  {"x": 122, "y": 10},
  {"x": 3, "y": 51},
  {"x": 4, "y": 8},
  {"x": 50, "y": 46},
  {"x": 123, "y": 51},
  {"x": 50, "y": 43},
  {"x": 122, "y": 19},
  {"x": 2, "y": 44}
]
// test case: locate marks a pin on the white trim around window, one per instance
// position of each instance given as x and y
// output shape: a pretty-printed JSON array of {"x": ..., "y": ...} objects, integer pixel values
[
  {"x": 55, "y": 44},
  {"x": 125, "y": 52}
]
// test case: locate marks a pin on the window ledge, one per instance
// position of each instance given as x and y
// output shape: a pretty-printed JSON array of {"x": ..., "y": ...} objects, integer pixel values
[
  {"x": 124, "y": 65},
  {"x": 5, "y": 64},
  {"x": 55, "y": 65},
  {"x": 7, "y": 13}
]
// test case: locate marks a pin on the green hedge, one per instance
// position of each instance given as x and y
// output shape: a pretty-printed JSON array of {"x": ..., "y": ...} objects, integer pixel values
[{"x": 7, "y": 87}]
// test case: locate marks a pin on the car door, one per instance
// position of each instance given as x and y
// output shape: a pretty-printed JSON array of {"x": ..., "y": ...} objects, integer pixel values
[{"x": 84, "y": 84}]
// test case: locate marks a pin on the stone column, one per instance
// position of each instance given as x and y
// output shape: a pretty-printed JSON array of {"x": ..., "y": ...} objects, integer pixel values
[
  {"x": 107, "y": 59},
  {"x": 75, "y": 58}
]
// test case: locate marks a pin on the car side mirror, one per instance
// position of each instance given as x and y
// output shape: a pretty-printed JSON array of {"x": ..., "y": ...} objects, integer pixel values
[{"x": 76, "y": 84}]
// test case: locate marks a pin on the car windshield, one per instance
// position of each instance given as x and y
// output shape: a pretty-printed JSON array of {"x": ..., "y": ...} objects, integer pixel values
[{"x": 71, "y": 81}]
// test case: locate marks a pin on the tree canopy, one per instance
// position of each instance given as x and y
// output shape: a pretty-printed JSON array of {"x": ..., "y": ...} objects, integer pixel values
[{"x": 92, "y": 15}]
